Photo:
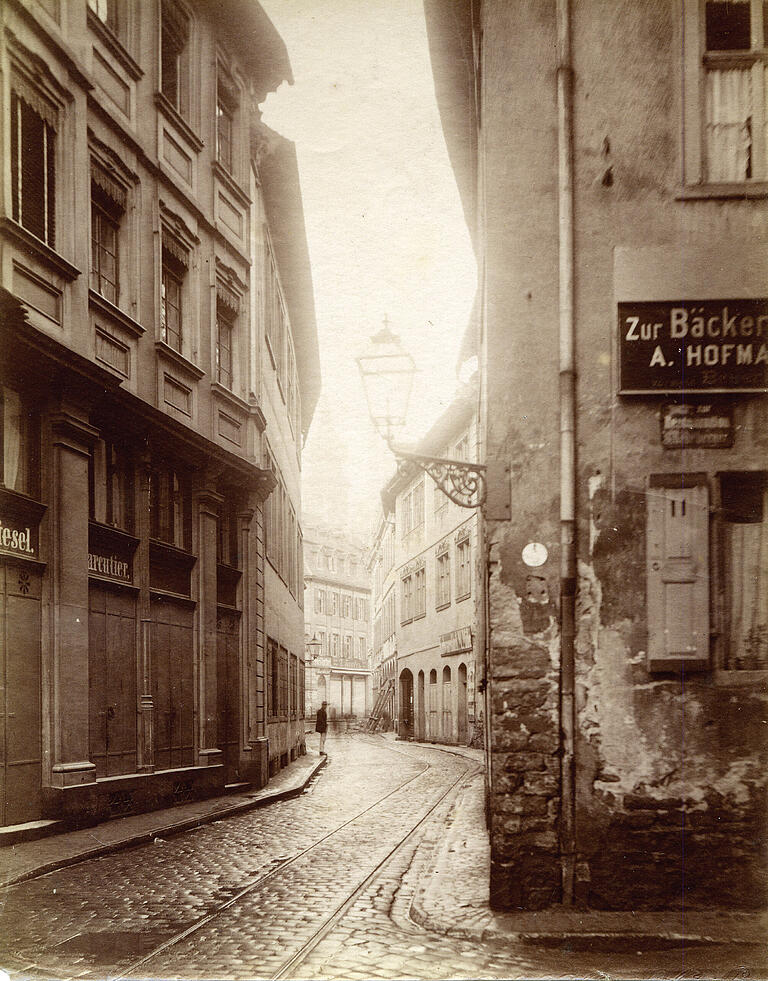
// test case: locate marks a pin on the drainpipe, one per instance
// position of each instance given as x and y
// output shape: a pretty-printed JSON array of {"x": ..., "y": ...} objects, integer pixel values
[{"x": 567, "y": 449}]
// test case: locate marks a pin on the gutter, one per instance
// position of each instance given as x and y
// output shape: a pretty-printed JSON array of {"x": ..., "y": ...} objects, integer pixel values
[{"x": 567, "y": 449}]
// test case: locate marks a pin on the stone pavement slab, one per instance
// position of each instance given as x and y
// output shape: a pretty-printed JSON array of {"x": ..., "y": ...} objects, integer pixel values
[{"x": 25, "y": 860}]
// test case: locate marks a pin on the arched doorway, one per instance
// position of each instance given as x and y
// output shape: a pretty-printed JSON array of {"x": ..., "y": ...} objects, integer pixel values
[
  {"x": 433, "y": 730},
  {"x": 447, "y": 728},
  {"x": 405, "y": 714},
  {"x": 461, "y": 706},
  {"x": 420, "y": 708}
]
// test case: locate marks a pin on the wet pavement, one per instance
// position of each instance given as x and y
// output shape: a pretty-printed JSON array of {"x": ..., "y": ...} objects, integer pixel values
[{"x": 377, "y": 870}]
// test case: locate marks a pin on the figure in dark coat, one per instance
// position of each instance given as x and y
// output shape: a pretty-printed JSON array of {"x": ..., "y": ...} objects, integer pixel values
[{"x": 321, "y": 726}]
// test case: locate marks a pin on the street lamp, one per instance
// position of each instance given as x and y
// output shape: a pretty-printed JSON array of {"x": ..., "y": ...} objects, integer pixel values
[
  {"x": 387, "y": 371},
  {"x": 314, "y": 647}
]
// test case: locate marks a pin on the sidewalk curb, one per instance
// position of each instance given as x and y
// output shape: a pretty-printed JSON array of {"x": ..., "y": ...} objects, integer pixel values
[{"x": 144, "y": 837}]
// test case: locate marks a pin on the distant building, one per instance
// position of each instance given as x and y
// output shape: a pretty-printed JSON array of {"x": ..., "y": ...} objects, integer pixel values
[
  {"x": 425, "y": 590},
  {"x": 613, "y": 167},
  {"x": 152, "y": 233},
  {"x": 338, "y": 613}
]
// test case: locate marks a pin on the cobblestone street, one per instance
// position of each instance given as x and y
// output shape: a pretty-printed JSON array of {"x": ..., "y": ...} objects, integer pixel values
[{"x": 320, "y": 886}]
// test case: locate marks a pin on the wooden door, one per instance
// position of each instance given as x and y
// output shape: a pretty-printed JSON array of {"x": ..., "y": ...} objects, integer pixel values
[
  {"x": 112, "y": 705},
  {"x": 173, "y": 683},
  {"x": 461, "y": 706},
  {"x": 20, "y": 695},
  {"x": 228, "y": 691}
]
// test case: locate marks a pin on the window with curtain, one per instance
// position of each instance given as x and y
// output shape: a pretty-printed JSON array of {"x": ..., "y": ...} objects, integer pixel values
[
  {"x": 33, "y": 162},
  {"x": 174, "y": 56},
  {"x": 735, "y": 135},
  {"x": 18, "y": 426},
  {"x": 744, "y": 510}
]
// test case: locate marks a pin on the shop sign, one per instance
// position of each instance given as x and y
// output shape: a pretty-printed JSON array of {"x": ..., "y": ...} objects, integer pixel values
[
  {"x": 693, "y": 346},
  {"x": 704, "y": 426},
  {"x": 109, "y": 567},
  {"x": 17, "y": 539},
  {"x": 456, "y": 640}
]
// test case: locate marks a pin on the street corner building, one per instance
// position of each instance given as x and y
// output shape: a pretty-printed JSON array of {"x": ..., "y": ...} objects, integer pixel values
[
  {"x": 423, "y": 564},
  {"x": 159, "y": 368},
  {"x": 613, "y": 165},
  {"x": 338, "y": 620}
]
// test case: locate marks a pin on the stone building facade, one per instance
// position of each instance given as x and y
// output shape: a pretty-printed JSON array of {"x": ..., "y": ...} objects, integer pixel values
[
  {"x": 424, "y": 564},
  {"x": 156, "y": 278},
  {"x": 338, "y": 615},
  {"x": 612, "y": 161}
]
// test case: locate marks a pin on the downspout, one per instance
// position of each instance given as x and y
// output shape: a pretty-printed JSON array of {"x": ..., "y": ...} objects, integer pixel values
[{"x": 567, "y": 449}]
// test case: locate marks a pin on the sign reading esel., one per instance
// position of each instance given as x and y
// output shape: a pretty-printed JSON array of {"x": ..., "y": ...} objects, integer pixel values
[
  {"x": 693, "y": 346},
  {"x": 18, "y": 540}
]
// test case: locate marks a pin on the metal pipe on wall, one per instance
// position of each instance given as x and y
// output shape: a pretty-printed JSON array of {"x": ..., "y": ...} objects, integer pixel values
[{"x": 567, "y": 448}]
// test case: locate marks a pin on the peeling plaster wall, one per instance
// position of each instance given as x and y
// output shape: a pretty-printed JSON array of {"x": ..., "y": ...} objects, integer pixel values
[{"x": 670, "y": 771}]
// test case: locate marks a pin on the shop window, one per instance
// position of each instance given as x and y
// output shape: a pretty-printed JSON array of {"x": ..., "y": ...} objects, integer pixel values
[
  {"x": 175, "y": 262},
  {"x": 443, "y": 564},
  {"x": 170, "y": 507},
  {"x": 730, "y": 89},
  {"x": 20, "y": 432},
  {"x": 463, "y": 569},
  {"x": 33, "y": 168},
  {"x": 111, "y": 485},
  {"x": 678, "y": 572},
  {"x": 744, "y": 516},
  {"x": 108, "y": 201},
  {"x": 174, "y": 56}
]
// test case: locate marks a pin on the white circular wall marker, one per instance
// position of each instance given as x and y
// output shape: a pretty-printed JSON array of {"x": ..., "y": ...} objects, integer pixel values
[{"x": 535, "y": 554}]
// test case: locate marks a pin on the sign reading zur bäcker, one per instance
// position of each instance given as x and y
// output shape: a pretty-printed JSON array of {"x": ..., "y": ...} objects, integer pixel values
[{"x": 693, "y": 345}]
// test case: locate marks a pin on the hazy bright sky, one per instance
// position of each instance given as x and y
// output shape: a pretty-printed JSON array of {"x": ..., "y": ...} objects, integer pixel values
[{"x": 384, "y": 224}]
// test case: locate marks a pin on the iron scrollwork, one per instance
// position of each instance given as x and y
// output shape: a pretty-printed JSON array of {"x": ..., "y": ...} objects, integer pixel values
[{"x": 461, "y": 482}]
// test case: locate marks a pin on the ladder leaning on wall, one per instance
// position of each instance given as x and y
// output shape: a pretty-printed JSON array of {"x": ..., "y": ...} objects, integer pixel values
[{"x": 376, "y": 715}]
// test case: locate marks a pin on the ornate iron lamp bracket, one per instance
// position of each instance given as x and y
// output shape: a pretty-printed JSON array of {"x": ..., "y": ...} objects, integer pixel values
[{"x": 461, "y": 482}]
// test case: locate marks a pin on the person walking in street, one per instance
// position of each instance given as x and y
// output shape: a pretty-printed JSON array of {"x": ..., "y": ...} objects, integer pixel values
[{"x": 321, "y": 726}]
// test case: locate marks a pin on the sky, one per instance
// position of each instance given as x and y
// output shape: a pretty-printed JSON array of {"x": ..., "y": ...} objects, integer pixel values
[{"x": 384, "y": 224}]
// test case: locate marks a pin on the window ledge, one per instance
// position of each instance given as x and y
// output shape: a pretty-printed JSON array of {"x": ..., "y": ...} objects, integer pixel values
[
  {"x": 34, "y": 246},
  {"x": 105, "y": 306},
  {"x": 171, "y": 354},
  {"x": 115, "y": 46},
  {"x": 229, "y": 396},
  {"x": 229, "y": 181},
  {"x": 464, "y": 596},
  {"x": 740, "y": 679},
  {"x": 443, "y": 606},
  {"x": 172, "y": 115},
  {"x": 699, "y": 192}
]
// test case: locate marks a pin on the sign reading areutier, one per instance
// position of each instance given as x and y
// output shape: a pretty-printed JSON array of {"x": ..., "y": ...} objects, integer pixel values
[{"x": 693, "y": 346}]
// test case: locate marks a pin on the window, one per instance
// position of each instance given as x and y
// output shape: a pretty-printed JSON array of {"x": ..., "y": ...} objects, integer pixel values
[
  {"x": 224, "y": 332},
  {"x": 347, "y": 646},
  {"x": 274, "y": 314},
  {"x": 443, "y": 579},
  {"x": 361, "y": 648},
  {"x": 284, "y": 705},
  {"x": 412, "y": 509},
  {"x": 334, "y": 647},
  {"x": 175, "y": 264},
  {"x": 107, "y": 12},
  {"x": 319, "y": 600},
  {"x": 744, "y": 533},
  {"x": 420, "y": 592},
  {"x": 227, "y": 551},
  {"x": 726, "y": 91},
  {"x": 174, "y": 56},
  {"x": 273, "y": 679},
  {"x": 170, "y": 507},
  {"x": 18, "y": 428},
  {"x": 463, "y": 568},
  {"x": 302, "y": 695},
  {"x": 111, "y": 485},
  {"x": 226, "y": 106},
  {"x": 33, "y": 154},
  {"x": 334, "y": 604},
  {"x": 294, "y": 694},
  {"x": 406, "y": 597},
  {"x": 108, "y": 200},
  {"x": 323, "y": 644},
  {"x": 346, "y": 606}
]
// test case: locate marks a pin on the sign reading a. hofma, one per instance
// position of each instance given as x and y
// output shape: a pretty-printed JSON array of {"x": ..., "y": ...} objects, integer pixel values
[{"x": 693, "y": 345}]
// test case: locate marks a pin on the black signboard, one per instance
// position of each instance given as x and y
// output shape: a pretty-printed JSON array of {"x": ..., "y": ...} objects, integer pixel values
[
  {"x": 696, "y": 425},
  {"x": 693, "y": 346}
]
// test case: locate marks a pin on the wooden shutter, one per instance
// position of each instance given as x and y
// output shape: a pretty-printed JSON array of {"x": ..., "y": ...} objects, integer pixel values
[{"x": 678, "y": 573}]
